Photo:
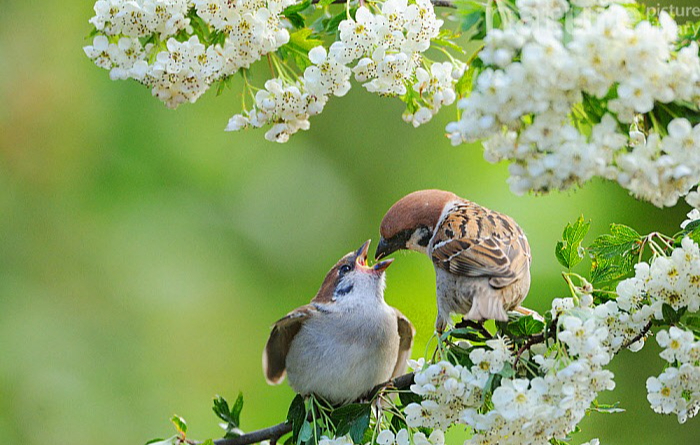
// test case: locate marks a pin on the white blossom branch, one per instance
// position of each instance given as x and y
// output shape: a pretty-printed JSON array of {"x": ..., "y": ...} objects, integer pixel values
[{"x": 274, "y": 432}]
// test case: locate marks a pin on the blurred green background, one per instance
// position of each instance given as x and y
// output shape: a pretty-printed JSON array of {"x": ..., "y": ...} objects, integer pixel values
[{"x": 144, "y": 253}]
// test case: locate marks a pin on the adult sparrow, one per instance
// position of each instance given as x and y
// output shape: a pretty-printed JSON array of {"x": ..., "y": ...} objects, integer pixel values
[{"x": 481, "y": 257}]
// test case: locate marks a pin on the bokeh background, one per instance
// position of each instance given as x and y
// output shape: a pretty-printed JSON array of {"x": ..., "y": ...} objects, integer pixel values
[{"x": 144, "y": 253}]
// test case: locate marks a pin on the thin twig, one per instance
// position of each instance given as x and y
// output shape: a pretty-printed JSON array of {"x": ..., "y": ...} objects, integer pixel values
[
  {"x": 271, "y": 433},
  {"x": 274, "y": 432},
  {"x": 637, "y": 337}
]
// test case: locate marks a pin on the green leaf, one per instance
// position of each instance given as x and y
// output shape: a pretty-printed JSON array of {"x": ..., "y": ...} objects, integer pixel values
[
  {"x": 293, "y": 13},
  {"x": 334, "y": 22},
  {"x": 296, "y": 416},
  {"x": 466, "y": 333},
  {"x": 170, "y": 441},
  {"x": 525, "y": 326},
  {"x": 236, "y": 410},
  {"x": 464, "y": 85},
  {"x": 298, "y": 7},
  {"x": 407, "y": 397},
  {"x": 569, "y": 251},
  {"x": 180, "y": 424},
  {"x": 352, "y": 419},
  {"x": 507, "y": 372},
  {"x": 298, "y": 47},
  {"x": 614, "y": 254},
  {"x": 305, "y": 433},
  {"x": 208, "y": 442},
  {"x": 692, "y": 230},
  {"x": 671, "y": 316},
  {"x": 231, "y": 416},
  {"x": 528, "y": 325}
]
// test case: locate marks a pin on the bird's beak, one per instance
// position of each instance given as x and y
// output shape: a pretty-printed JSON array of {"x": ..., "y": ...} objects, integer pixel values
[
  {"x": 382, "y": 265},
  {"x": 385, "y": 248},
  {"x": 361, "y": 254},
  {"x": 361, "y": 260}
]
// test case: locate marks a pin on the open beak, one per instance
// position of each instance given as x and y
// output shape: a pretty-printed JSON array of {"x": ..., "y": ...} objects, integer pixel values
[
  {"x": 361, "y": 260},
  {"x": 385, "y": 248}
]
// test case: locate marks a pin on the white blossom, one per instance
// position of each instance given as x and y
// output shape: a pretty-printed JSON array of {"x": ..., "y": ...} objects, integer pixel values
[{"x": 605, "y": 53}]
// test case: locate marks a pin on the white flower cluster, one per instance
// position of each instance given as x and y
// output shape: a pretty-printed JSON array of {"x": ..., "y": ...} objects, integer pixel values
[
  {"x": 252, "y": 27},
  {"x": 448, "y": 390},
  {"x": 404, "y": 437},
  {"x": 524, "y": 411},
  {"x": 550, "y": 405},
  {"x": 677, "y": 389},
  {"x": 388, "y": 49},
  {"x": 539, "y": 80},
  {"x": 181, "y": 71},
  {"x": 140, "y": 18},
  {"x": 673, "y": 280},
  {"x": 288, "y": 107}
]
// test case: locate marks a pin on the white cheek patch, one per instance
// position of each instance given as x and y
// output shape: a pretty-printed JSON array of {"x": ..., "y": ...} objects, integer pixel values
[{"x": 416, "y": 237}]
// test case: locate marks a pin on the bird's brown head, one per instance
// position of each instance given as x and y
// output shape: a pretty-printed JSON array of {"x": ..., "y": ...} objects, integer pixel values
[
  {"x": 410, "y": 222},
  {"x": 352, "y": 273}
]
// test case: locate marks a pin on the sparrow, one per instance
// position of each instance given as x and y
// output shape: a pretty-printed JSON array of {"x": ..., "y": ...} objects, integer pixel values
[
  {"x": 346, "y": 341},
  {"x": 481, "y": 257}
]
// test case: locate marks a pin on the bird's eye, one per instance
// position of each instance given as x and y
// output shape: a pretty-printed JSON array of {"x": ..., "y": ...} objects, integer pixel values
[{"x": 345, "y": 268}]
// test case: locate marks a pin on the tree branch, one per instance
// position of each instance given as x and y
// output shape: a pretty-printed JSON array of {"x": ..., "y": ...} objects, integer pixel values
[
  {"x": 276, "y": 431},
  {"x": 637, "y": 337}
]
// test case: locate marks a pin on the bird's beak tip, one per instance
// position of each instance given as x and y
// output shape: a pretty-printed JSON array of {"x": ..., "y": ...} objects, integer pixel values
[
  {"x": 382, "y": 265},
  {"x": 361, "y": 255}
]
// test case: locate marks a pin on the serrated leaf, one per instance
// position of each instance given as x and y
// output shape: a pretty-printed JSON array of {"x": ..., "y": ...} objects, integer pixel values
[
  {"x": 236, "y": 410},
  {"x": 180, "y": 424},
  {"x": 298, "y": 7},
  {"x": 528, "y": 325},
  {"x": 296, "y": 416},
  {"x": 569, "y": 251},
  {"x": 302, "y": 39},
  {"x": 352, "y": 419}
]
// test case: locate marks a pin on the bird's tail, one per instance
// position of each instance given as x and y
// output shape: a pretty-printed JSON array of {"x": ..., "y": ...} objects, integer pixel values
[{"x": 486, "y": 307}]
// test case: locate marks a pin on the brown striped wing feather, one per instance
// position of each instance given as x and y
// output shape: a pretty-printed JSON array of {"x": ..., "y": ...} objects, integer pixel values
[
  {"x": 477, "y": 242},
  {"x": 277, "y": 347}
]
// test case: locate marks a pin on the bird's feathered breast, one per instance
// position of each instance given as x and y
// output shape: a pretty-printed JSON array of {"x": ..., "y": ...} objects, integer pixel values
[{"x": 474, "y": 241}]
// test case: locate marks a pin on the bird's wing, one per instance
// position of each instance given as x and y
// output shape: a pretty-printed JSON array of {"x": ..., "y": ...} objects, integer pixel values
[
  {"x": 277, "y": 347},
  {"x": 476, "y": 242},
  {"x": 406, "y": 332}
]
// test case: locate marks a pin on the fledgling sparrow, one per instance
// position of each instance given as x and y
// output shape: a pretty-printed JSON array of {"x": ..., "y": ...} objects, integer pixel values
[
  {"x": 481, "y": 257},
  {"x": 346, "y": 341}
]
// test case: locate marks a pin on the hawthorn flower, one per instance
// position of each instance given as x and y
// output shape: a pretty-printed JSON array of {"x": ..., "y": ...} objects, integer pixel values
[{"x": 605, "y": 54}]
